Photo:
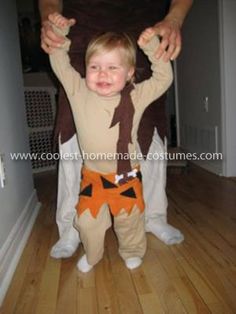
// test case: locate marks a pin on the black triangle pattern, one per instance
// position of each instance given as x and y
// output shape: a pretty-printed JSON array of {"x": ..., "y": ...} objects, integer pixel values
[
  {"x": 107, "y": 184},
  {"x": 129, "y": 193},
  {"x": 87, "y": 191}
]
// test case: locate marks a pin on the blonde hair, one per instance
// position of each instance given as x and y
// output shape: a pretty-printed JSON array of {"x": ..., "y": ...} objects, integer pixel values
[{"x": 109, "y": 41}]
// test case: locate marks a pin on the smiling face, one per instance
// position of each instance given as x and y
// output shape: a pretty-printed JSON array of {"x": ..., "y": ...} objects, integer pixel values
[{"x": 107, "y": 72}]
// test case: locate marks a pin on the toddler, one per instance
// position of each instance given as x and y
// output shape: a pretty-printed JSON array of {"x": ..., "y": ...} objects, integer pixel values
[{"x": 107, "y": 107}]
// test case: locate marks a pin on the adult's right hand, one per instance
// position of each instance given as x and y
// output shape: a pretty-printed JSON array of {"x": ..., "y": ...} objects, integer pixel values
[
  {"x": 170, "y": 32},
  {"x": 49, "y": 39}
]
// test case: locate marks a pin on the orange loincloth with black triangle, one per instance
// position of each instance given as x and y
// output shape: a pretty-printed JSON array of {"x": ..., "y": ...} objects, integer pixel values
[{"x": 97, "y": 189}]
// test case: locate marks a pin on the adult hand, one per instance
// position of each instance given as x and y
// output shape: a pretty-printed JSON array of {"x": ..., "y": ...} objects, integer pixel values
[
  {"x": 49, "y": 39},
  {"x": 170, "y": 46}
]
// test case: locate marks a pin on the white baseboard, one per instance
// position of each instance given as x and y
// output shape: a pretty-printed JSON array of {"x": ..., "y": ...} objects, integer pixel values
[{"x": 13, "y": 247}]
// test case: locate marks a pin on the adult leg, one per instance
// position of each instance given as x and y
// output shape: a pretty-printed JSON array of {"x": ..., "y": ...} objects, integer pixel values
[
  {"x": 154, "y": 185},
  {"x": 154, "y": 173},
  {"x": 67, "y": 197}
]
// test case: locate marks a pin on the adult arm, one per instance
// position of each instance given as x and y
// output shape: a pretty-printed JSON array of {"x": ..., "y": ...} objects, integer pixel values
[
  {"x": 47, "y": 7},
  {"x": 169, "y": 29},
  {"x": 49, "y": 39}
]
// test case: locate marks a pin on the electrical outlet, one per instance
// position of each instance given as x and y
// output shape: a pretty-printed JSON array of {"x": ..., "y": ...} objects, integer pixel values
[{"x": 2, "y": 171}]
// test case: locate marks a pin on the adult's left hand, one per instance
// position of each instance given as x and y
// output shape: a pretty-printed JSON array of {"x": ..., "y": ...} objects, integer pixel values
[{"x": 170, "y": 34}]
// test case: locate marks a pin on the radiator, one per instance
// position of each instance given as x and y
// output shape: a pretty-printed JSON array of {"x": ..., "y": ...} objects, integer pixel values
[{"x": 40, "y": 111}]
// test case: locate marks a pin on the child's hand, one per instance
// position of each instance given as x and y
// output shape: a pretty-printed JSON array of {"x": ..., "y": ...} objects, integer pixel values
[
  {"x": 146, "y": 36},
  {"x": 50, "y": 39},
  {"x": 60, "y": 21}
]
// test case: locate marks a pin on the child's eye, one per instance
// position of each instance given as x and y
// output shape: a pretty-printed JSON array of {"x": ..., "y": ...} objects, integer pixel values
[
  {"x": 93, "y": 67},
  {"x": 112, "y": 67}
]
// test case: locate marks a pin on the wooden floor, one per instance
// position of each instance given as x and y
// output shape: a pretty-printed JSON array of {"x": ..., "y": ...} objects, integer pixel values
[{"x": 198, "y": 276}]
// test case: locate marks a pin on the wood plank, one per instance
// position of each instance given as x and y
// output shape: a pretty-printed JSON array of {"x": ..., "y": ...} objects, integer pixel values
[
  {"x": 105, "y": 287},
  {"x": 86, "y": 290},
  {"x": 195, "y": 260},
  {"x": 18, "y": 282},
  {"x": 48, "y": 289},
  {"x": 172, "y": 264},
  {"x": 161, "y": 283},
  {"x": 87, "y": 301},
  {"x": 127, "y": 297},
  {"x": 67, "y": 287},
  {"x": 28, "y": 294},
  {"x": 151, "y": 304}
]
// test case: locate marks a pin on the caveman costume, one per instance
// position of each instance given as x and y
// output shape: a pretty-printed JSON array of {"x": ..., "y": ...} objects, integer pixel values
[
  {"x": 93, "y": 16},
  {"x": 109, "y": 125}
]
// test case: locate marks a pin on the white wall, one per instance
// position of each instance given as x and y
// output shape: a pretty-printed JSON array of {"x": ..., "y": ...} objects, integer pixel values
[
  {"x": 18, "y": 200},
  {"x": 227, "y": 16},
  {"x": 198, "y": 77},
  {"x": 207, "y": 68}
]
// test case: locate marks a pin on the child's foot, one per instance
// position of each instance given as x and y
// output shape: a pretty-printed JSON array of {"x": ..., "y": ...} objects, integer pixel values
[
  {"x": 83, "y": 265},
  {"x": 133, "y": 262}
]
